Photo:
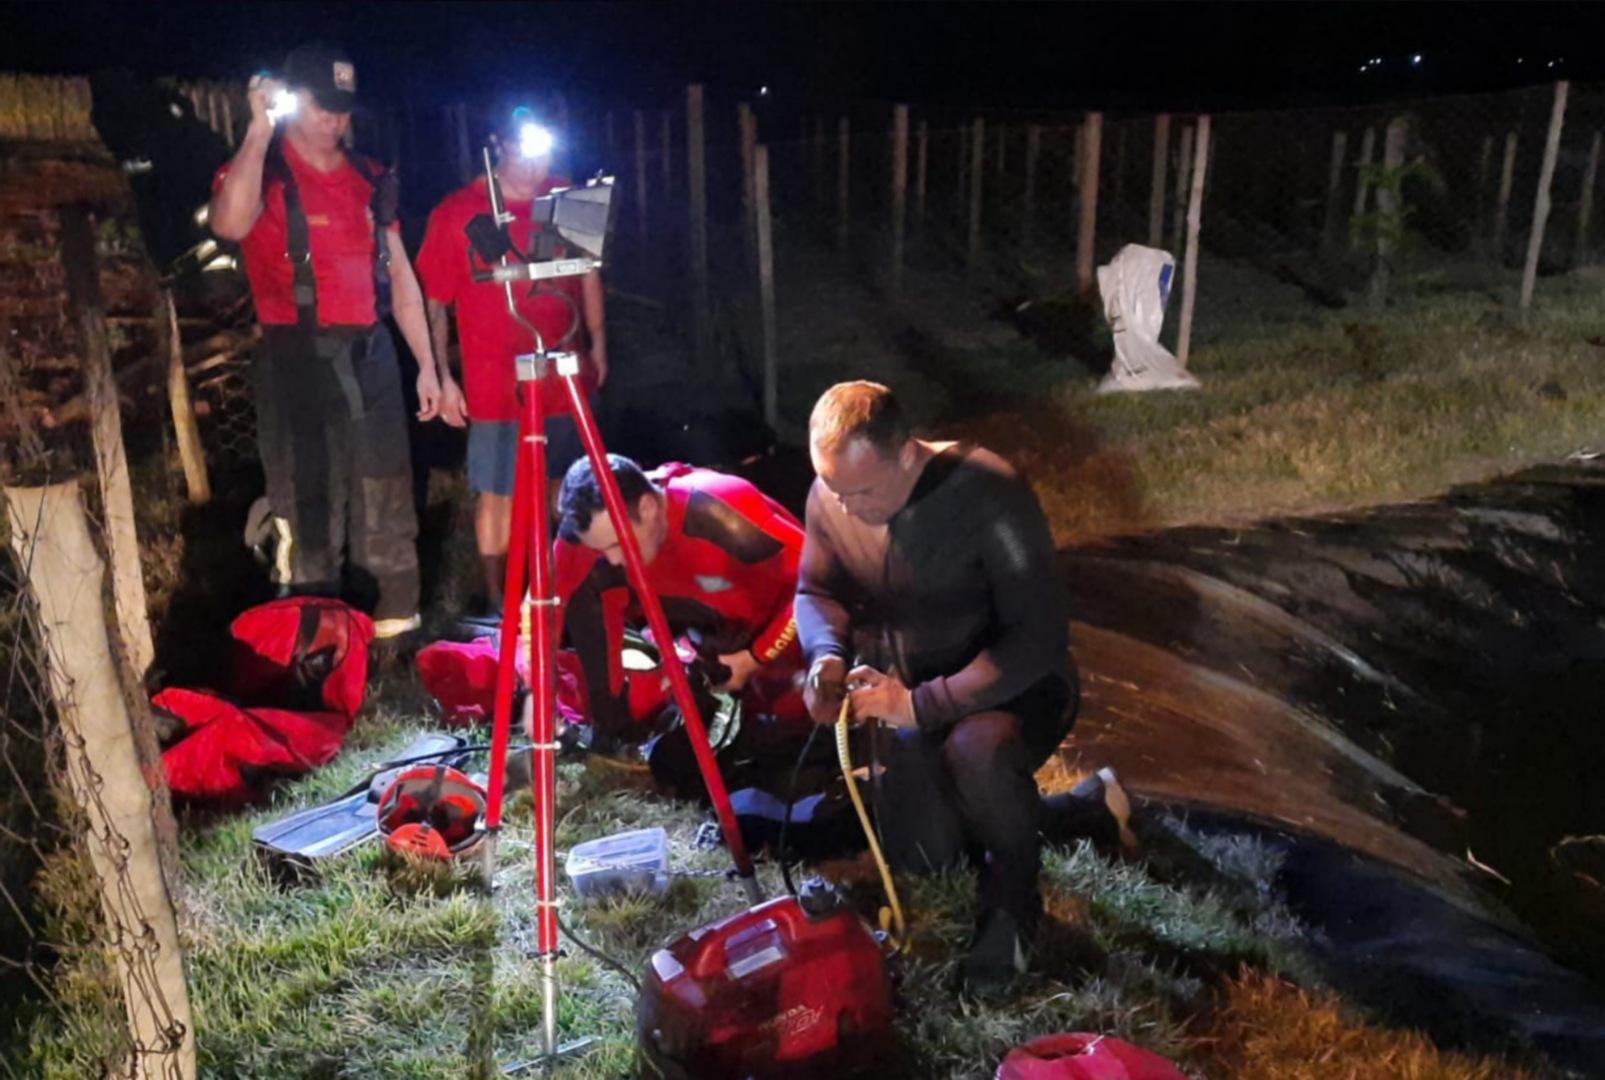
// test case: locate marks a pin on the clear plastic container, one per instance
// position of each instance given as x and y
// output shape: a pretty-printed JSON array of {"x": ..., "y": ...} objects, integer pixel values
[{"x": 633, "y": 861}]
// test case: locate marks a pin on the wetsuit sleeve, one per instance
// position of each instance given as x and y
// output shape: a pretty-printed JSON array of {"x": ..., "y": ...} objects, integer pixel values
[
  {"x": 780, "y": 569},
  {"x": 1017, "y": 556},
  {"x": 586, "y": 595},
  {"x": 823, "y": 622}
]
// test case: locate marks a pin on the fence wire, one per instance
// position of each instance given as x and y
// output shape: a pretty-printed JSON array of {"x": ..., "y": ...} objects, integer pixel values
[{"x": 78, "y": 952}]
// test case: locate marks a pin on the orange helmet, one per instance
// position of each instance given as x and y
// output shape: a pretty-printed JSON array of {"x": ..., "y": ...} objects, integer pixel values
[{"x": 431, "y": 812}]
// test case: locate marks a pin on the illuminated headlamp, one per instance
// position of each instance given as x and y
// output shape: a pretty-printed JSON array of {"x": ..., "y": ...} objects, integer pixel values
[
  {"x": 284, "y": 104},
  {"x": 534, "y": 140}
]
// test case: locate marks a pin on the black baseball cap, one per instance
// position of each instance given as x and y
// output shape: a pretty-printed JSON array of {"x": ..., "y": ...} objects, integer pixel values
[{"x": 326, "y": 72}]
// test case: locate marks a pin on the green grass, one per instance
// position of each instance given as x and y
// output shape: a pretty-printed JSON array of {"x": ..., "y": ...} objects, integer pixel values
[
  {"x": 385, "y": 971},
  {"x": 1331, "y": 411}
]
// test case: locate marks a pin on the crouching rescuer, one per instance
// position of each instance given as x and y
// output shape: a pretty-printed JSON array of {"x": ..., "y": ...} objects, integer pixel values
[
  {"x": 322, "y": 250},
  {"x": 722, "y": 557},
  {"x": 928, "y": 595}
]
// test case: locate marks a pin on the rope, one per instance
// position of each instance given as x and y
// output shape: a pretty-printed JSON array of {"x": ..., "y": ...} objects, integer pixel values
[{"x": 891, "y": 918}]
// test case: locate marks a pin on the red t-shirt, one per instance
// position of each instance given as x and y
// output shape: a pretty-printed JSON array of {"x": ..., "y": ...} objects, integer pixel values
[
  {"x": 489, "y": 337},
  {"x": 339, "y": 232}
]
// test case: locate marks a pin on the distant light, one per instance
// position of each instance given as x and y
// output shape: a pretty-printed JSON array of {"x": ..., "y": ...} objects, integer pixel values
[
  {"x": 534, "y": 141},
  {"x": 1520, "y": 59},
  {"x": 1362, "y": 69},
  {"x": 1550, "y": 64},
  {"x": 763, "y": 91},
  {"x": 1416, "y": 59}
]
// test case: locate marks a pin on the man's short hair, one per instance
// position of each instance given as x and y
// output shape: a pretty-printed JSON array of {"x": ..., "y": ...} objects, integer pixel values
[
  {"x": 858, "y": 410},
  {"x": 579, "y": 500}
]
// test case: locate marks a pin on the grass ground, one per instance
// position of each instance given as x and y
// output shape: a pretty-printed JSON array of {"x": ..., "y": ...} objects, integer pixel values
[{"x": 372, "y": 972}]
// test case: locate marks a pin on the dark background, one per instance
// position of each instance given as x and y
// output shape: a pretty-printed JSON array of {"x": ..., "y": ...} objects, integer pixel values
[{"x": 1127, "y": 55}]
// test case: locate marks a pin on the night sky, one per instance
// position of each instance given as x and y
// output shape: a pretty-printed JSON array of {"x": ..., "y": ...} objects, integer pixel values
[{"x": 1128, "y": 55}]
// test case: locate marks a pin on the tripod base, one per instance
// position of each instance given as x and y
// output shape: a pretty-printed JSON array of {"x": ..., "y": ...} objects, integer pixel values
[{"x": 566, "y": 1052}]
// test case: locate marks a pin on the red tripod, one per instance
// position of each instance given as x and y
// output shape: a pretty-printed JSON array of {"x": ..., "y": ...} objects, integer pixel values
[{"x": 528, "y": 611}]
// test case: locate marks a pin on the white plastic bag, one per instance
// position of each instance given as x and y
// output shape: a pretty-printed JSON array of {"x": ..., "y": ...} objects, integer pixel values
[{"x": 1135, "y": 285}]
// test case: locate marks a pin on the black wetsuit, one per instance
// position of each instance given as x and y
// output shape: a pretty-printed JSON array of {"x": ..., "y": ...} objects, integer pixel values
[{"x": 958, "y": 595}]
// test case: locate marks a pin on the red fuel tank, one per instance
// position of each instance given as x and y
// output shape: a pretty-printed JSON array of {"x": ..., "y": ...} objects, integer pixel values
[{"x": 785, "y": 989}]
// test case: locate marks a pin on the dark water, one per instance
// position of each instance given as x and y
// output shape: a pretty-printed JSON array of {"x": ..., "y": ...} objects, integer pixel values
[{"x": 1408, "y": 700}]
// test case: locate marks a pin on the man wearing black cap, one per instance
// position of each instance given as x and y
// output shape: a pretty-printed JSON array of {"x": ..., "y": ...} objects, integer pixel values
[{"x": 317, "y": 229}]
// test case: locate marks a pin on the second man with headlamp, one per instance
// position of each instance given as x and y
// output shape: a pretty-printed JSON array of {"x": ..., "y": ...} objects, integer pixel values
[{"x": 568, "y": 313}]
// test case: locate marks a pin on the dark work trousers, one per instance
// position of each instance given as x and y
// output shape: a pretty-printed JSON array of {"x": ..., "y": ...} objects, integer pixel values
[
  {"x": 331, "y": 429},
  {"x": 971, "y": 792}
]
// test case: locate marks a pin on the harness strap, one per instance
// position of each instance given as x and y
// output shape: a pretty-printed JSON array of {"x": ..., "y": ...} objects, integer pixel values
[
  {"x": 382, "y": 207},
  {"x": 297, "y": 240}
]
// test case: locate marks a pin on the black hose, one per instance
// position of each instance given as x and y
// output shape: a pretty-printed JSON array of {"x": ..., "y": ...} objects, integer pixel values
[
  {"x": 785, "y": 819},
  {"x": 598, "y": 955}
]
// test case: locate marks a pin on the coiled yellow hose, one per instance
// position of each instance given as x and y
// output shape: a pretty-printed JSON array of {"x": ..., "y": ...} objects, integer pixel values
[{"x": 891, "y": 918}]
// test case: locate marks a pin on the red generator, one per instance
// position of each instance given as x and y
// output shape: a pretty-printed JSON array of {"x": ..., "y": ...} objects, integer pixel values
[{"x": 790, "y": 988}]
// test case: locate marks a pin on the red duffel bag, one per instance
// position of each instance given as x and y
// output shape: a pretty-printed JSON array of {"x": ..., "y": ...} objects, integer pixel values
[
  {"x": 301, "y": 652},
  {"x": 227, "y": 750},
  {"x": 1083, "y": 1056}
]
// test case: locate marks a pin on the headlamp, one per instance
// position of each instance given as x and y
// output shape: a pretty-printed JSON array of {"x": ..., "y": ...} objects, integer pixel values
[
  {"x": 284, "y": 104},
  {"x": 534, "y": 140}
]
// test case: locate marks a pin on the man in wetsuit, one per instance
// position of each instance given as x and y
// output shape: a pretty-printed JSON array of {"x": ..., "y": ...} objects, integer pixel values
[
  {"x": 722, "y": 557},
  {"x": 933, "y": 564}
]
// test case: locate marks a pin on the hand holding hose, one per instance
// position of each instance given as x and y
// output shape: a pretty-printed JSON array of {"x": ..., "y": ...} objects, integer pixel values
[{"x": 875, "y": 695}]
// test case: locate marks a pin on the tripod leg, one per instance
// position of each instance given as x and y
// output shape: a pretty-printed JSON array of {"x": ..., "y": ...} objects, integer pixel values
[
  {"x": 678, "y": 682},
  {"x": 517, "y": 577}
]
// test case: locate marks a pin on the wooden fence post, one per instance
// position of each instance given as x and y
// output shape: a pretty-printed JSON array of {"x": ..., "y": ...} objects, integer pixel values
[
  {"x": 1585, "y": 209},
  {"x": 1195, "y": 209},
  {"x": 116, "y": 493},
  {"x": 697, "y": 198},
  {"x": 228, "y": 117},
  {"x": 191, "y": 451},
  {"x": 666, "y": 144},
  {"x": 1541, "y": 203},
  {"x": 766, "y": 287},
  {"x": 1334, "y": 188},
  {"x": 961, "y": 189},
  {"x": 747, "y": 129},
  {"x": 843, "y": 152},
  {"x": 1479, "y": 229},
  {"x": 1121, "y": 130},
  {"x": 1184, "y": 174},
  {"x": 640, "y": 174},
  {"x": 1087, "y": 234},
  {"x": 50, "y": 536},
  {"x": 899, "y": 191},
  {"x": 921, "y": 160},
  {"x": 1390, "y": 217},
  {"x": 465, "y": 156},
  {"x": 977, "y": 147},
  {"x": 1507, "y": 178},
  {"x": 1028, "y": 211},
  {"x": 1156, "y": 190},
  {"x": 1362, "y": 186}
]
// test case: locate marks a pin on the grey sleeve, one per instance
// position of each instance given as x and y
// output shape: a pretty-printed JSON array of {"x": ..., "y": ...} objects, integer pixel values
[{"x": 822, "y": 621}]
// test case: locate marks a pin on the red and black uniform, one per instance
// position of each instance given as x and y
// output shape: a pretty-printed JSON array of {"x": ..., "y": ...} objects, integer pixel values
[
  {"x": 727, "y": 577},
  {"x": 330, "y": 415}
]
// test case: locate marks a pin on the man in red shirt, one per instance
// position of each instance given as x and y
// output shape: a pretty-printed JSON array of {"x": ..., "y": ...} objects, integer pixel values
[
  {"x": 722, "y": 557},
  {"x": 568, "y": 313},
  {"x": 324, "y": 256}
]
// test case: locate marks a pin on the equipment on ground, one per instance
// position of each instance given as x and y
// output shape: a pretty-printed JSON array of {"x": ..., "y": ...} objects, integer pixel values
[
  {"x": 431, "y": 812},
  {"x": 582, "y": 217},
  {"x": 302, "y": 840},
  {"x": 793, "y": 987}
]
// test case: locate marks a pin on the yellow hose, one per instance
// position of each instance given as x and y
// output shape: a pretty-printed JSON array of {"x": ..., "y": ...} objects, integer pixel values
[{"x": 891, "y": 918}]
